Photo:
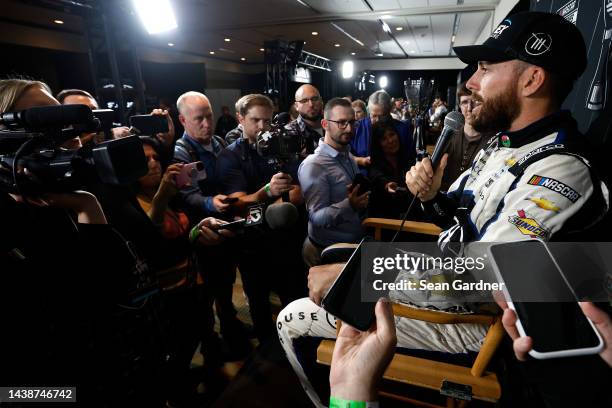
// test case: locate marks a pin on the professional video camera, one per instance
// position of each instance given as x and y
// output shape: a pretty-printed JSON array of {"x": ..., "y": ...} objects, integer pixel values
[
  {"x": 280, "y": 144},
  {"x": 32, "y": 160}
]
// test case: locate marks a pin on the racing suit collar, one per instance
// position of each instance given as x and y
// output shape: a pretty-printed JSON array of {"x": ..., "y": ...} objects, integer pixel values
[{"x": 560, "y": 121}]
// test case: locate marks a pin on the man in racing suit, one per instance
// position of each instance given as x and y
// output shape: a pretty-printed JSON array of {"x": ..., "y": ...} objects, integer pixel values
[{"x": 528, "y": 182}]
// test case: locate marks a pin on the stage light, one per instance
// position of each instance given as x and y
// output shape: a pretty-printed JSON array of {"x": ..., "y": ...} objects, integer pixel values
[
  {"x": 211, "y": 52},
  {"x": 261, "y": 49},
  {"x": 242, "y": 59},
  {"x": 58, "y": 22},
  {"x": 170, "y": 44},
  {"x": 383, "y": 82},
  {"x": 156, "y": 15},
  {"x": 227, "y": 40},
  {"x": 336, "y": 45},
  {"x": 399, "y": 28},
  {"x": 315, "y": 33},
  {"x": 347, "y": 69}
]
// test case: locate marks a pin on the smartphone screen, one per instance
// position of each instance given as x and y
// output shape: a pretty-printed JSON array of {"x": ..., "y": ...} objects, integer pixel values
[
  {"x": 529, "y": 272},
  {"x": 344, "y": 297}
]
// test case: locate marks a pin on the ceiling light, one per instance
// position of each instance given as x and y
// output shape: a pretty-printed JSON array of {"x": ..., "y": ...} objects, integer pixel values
[
  {"x": 261, "y": 49},
  {"x": 336, "y": 45},
  {"x": 386, "y": 27},
  {"x": 227, "y": 40},
  {"x": 212, "y": 53},
  {"x": 399, "y": 28},
  {"x": 156, "y": 15},
  {"x": 383, "y": 82},
  {"x": 242, "y": 59},
  {"x": 352, "y": 53},
  {"x": 58, "y": 21},
  {"x": 347, "y": 69},
  {"x": 314, "y": 33},
  {"x": 412, "y": 51},
  {"x": 170, "y": 44},
  {"x": 386, "y": 16},
  {"x": 453, "y": 38}
]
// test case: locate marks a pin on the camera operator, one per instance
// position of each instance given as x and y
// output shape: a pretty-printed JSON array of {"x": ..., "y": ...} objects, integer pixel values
[
  {"x": 245, "y": 174},
  {"x": 217, "y": 267},
  {"x": 309, "y": 105},
  {"x": 59, "y": 288}
]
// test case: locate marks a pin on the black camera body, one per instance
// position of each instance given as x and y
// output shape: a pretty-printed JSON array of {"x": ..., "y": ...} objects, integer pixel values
[
  {"x": 280, "y": 143},
  {"x": 33, "y": 162}
]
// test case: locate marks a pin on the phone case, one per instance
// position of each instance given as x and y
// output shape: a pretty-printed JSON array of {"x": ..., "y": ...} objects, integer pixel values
[{"x": 534, "y": 353}]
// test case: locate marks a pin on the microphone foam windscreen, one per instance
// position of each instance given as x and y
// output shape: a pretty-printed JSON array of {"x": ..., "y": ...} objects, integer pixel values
[
  {"x": 454, "y": 120},
  {"x": 281, "y": 215}
]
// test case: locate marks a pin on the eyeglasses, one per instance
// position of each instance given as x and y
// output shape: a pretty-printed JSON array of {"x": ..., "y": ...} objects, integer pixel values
[
  {"x": 314, "y": 100},
  {"x": 342, "y": 124}
]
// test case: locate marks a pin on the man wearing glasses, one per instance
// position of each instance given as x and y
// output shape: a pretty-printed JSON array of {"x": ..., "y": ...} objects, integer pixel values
[
  {"x": 464, "y": 145},
  {"x": 335, "y": 208},
  {"x": 309, "y": 105}
]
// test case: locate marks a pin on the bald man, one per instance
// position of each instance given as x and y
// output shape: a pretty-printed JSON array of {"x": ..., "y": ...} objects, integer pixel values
[
  {"x": 309, "y": 106},
  {"x": 200, "y": 200}
]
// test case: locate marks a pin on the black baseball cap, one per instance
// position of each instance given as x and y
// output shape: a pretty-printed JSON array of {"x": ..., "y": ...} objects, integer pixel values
[{"x": 543, "y": 39}]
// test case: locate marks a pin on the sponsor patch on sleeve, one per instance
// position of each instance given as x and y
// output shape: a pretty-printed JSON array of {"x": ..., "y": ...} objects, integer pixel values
[
  {"x": 527, "y": 225},
  {"x": 556, "y": 186}
]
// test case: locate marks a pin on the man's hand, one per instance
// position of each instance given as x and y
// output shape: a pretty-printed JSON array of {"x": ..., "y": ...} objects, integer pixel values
[
  {"x": 360, "y": 358},
  {"x": 358, "y": 202},
  {"x": 320, "y": 278},
  {"x": 167, "y": 138},
  {"x": 280, "y": 183},
  {"x": 208, "y": 234},
  {"x": 391, "y": 187},
  {"x": 363, "y": 161},
  {"x": 522, "y": 345},
  {"x": 218, "y": 203},
  {"x": 167, "y": 186},
  {"x": 603, "y": 324},
  {"x": 121, "y": 131},
  {"x": 422, "y": 180}
]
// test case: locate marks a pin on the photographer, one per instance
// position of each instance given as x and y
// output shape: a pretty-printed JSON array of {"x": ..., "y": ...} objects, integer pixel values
[
  {"x": 251, "y": 178},
  {"x": 201, "y": 199}
]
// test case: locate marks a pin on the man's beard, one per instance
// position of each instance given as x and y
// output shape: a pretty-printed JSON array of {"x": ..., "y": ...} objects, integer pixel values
[
  {"x": 338, "y": 139},
  {"x": 316, "y": 117},
  {"x": 496, "y": 114}
]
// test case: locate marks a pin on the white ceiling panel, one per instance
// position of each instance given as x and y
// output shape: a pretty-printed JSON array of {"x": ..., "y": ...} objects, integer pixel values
[
  {"x": 470, "y": 26},
  {"x": 442, "y": 32},
  {"x": 336, "y": 6}
]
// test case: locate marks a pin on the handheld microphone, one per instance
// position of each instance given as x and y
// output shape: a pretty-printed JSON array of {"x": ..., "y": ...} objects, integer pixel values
[
  {"x": 48, "y": 117},
  {"x": 453, "y": 122},
  {"x": 281, "y": 215}
]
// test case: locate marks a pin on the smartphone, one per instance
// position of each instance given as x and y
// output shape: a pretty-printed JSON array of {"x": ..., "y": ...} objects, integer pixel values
[
  {"x": 365, "y": 184},
  {"x": 558, "y": 329},
  {"x": 190, "y": 174},
  {"x": 343, "y": 299},
  {"x": 149, "y": 125},
  {"x": 233, "y": 226},
  {"x": 230, "y": 200}
]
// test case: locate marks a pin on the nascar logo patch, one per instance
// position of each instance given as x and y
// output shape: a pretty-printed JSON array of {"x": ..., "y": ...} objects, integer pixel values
[{"x": 556, "y": 186}]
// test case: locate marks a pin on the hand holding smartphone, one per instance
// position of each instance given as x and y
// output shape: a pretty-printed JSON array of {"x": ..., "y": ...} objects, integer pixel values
[
  {"x": 190, "y": 174},
  {"x": 557, "y": 328}
]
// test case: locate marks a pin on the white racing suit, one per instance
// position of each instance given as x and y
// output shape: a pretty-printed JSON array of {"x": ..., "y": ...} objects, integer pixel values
[{"x": 522, "y": 184}]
